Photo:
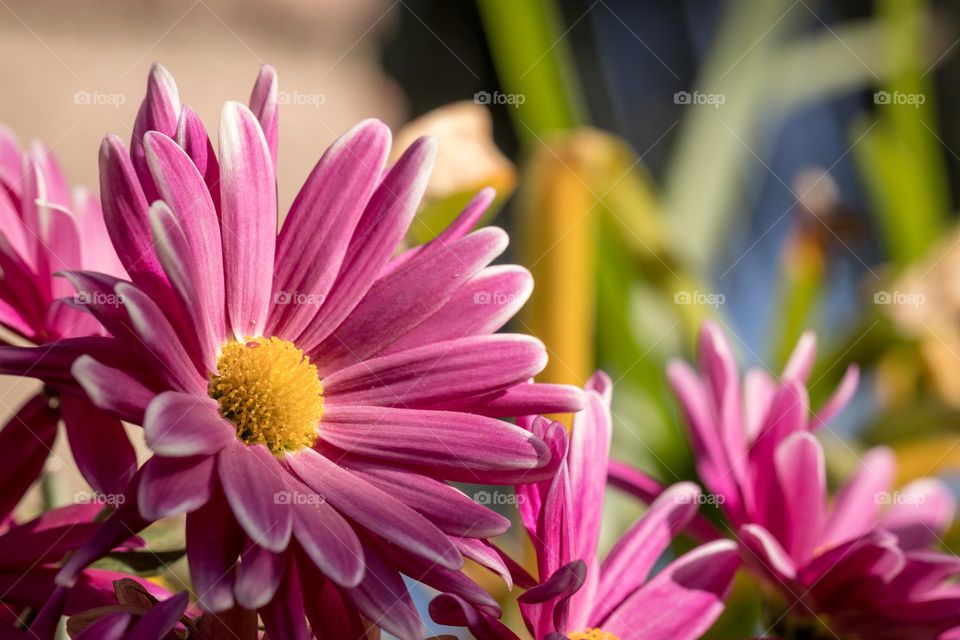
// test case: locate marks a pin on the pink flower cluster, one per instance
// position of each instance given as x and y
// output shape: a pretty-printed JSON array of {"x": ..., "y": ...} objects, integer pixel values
[{"x": 308, "y": 399}]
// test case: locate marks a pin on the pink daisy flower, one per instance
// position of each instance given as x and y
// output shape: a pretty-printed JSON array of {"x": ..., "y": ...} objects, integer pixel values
[
  {"x": 45, "y": 228},
  {"x": 858, "y": 564},
  {"x": 306, "y": 395},
  {"x": 582, "y": 597}
]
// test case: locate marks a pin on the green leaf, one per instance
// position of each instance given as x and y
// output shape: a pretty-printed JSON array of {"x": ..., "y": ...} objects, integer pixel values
[
  {"x": 141, "y": 563},
  {"x": 534, "y": 65}
]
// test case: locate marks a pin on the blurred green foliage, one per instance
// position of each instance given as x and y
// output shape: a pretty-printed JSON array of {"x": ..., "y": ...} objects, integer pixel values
[{"x": 614, "y": 254}]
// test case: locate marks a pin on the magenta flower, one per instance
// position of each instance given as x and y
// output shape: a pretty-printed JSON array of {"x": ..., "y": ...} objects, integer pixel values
[
  {"x": 44, "y": 228},
  {"x": 29, "y": 564},
  {"x": 861, "y": 557},
  {"x": 138, "y": 613},
  {"x": 306, "y": 395},
  {"x": 583, "y": 598}
]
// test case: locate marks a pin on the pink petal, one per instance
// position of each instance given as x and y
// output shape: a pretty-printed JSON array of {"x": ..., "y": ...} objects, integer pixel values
[
  {"x": 436, "y": 373},
  {"x": 802, "y": 479},
  {"x": 372, "y": 508},
  {"x": 285, "y": 616},
  {"x": 110, "y": 627},
  {"x": 378, "y": 233},
  {"x": 556, "y": 527},
  {"x": 400, "y": 301},
  {"x": 125, "y": 213},
  {"x": 252, "y": 481},
  {"x": 248, "y": 209},
  {"x": 833, "y": 574},
  {"x": 119, "y": 526},
  {"x": 682, "y": 601},
  {"x": 112, "y": 390},
  {"x": 193, "y": 287},
  {"x": 758, "y": 392},
  {"x": 840, "y": 398},
  {"x": 182, "y": 424},
  {"x": 316, "y": 234},
  {"x": 801, "y": 361},
  {"x": 763, "y": 552},
  {"x": 488, "y": 555},
  {"x": 10, "y": 162},
  {"x": 921, "y": 513},
  {"x": 531, "y": 495},
  {"x": 722, "y": 386},
  {"x": 160, "y": 620},
  {"x": 213, "y": 545},
  {"x": 709, "y": 450},
  {"x": 97, "y": 251},
  {"x": 156, "y": 332},
  {"x": 192, "y": 137},
  {"x": 482, "y": 306},
  {"x": 159, "y": 111},
  {"x": 47, "y": 538},
  {"x": 51, "y": 363},
  {"x": 587, "y": 459},
  {"x": 460, "y": 227},
  {"x": 326, "y": 538},
  {"x": 524, "y": 399},
  {"x": 442, "y": 579},
  {"x": 14, "y": 232},
  {"x": 263, "y": 104},
  {"x": 61, "y": 244},
  {"x": 30, "y": 434},
  {"x": 628, "y": 564},
  {"x": 182, "y": 187},
  {"x": 455, "y": 611},
  {"x": 638, "y": 484},
  {"x": 448, "y": 508},
  {"x": 99, "y": 444},
  {"x": 854, "y": 509},
  {"x": 330, "y": 614},
  {"x": 258, "y": 576},
  {"x": 432, "y": 439},
  {"x": 171, "y": 486},
  {"x": 95, "y": 294},
  {"x": 787, "y": 416},
  {"x": 383, "y": 596},
  {"x": 21, "y": 290}
]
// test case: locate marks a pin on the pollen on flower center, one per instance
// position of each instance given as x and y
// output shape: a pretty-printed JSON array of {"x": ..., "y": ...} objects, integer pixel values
[
  {"x": 592, "y": 634},
  {"x": 270, "y": 391}
]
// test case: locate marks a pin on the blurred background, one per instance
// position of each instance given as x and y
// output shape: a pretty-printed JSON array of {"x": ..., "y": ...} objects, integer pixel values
[{"x": 777, "y": 165}]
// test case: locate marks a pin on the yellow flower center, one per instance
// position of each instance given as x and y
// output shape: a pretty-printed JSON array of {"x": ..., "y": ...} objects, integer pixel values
[
  {"x": 269, "y": 390},
  {"x": 592, "y": 634}
]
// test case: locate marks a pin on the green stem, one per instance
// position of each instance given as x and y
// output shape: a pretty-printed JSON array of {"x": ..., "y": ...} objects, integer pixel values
[{"x": 530, "y": 51}]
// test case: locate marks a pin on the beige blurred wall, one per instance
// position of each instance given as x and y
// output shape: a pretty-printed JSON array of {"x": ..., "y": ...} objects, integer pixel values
[
  {"x": 325, "y": 52},
  {"x": 54, "y": 53}
]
